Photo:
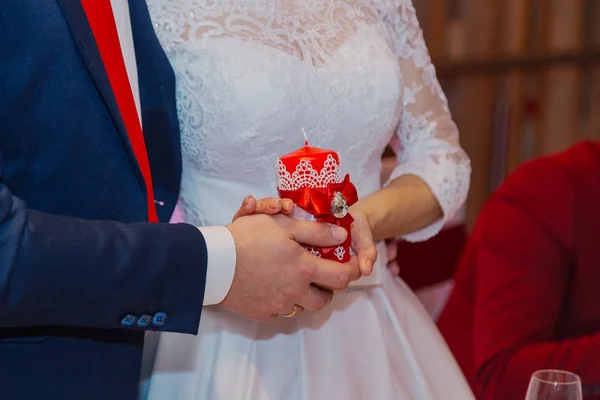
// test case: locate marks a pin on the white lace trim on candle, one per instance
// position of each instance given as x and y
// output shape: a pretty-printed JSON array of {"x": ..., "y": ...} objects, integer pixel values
[{"x": 306, "y": 176}]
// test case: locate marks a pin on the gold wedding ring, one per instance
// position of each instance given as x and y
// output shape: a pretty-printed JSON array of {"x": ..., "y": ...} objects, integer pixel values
[{"x": 290, "y": 315}]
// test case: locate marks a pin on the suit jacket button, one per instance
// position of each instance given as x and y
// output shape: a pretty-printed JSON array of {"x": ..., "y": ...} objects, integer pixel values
[
  {"x": 128, "y": 320},
  {"x": 144, "y": 320},
  {"x": 159, "y": 319}
]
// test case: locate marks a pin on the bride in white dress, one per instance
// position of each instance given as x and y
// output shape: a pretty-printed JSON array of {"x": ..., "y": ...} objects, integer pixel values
[{"x": 357, "y": 76}]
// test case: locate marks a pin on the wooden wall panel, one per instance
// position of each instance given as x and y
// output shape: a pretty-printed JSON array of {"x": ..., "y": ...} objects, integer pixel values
[
  {"x": 561, "y": 104},
  {"x": 516, "y": 15},
  {"x": 437, "y": 28},
  {"x": 592, "y": 128},
  {"x": 538, "y": 59},
  {"x": 472, "y": 98}
]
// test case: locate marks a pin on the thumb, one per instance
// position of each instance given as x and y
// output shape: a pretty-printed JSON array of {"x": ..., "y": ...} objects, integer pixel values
[{"x": 316, "y": 233}]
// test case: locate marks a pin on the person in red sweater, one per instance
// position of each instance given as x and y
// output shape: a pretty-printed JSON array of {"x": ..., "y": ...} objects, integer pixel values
[{"x": 527, "y": 293}]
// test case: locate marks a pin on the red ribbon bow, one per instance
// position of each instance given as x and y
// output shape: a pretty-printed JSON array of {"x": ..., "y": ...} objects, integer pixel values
[{"x": 318, "y": 202}]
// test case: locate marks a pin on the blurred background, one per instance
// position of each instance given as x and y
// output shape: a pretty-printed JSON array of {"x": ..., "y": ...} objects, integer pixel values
[{"x": 523, "y": 79}]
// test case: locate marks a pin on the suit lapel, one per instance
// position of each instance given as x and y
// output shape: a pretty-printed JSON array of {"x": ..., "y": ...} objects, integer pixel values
[{"x": 84, "y": 39}]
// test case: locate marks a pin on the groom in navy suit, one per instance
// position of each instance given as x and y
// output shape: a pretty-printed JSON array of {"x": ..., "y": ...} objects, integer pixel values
[{"x": 82, "y": 271}]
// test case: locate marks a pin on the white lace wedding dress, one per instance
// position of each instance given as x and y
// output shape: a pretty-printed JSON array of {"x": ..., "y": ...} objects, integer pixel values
[{"x": 356, "y": 75}]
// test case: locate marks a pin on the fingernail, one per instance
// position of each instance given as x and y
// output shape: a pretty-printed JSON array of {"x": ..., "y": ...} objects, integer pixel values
[
  {"x": 288, "y": 205},
  {"x": 274, "y": 203},
  {"x": 245, "y": 201},
  {"x": 338, "y": 233}
]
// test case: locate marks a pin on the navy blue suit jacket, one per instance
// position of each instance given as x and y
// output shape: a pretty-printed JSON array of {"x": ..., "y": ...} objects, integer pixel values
[{"x": 75, "y": 253}]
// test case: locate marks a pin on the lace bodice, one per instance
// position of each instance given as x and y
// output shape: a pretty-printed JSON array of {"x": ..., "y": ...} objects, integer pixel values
[{"x": 355, "y": 74}]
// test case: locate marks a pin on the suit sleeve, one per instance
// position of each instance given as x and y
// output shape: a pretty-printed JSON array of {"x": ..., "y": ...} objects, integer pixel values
[
  {"x": 63, "y": 271},
  {"x": 524, "y": 245}
]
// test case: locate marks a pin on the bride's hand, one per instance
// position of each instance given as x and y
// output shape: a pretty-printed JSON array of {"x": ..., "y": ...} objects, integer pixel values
[
  {"x": 362, "y": 241},
  {"x": 268, "y": 206},
  {"x": 392, "y": 253}
]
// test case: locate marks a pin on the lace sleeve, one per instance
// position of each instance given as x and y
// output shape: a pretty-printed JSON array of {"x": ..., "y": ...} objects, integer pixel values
[{"x": 426, "y": 140}]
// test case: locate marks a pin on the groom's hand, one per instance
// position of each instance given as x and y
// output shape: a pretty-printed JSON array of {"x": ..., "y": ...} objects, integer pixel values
[{"x": 274, "y": 273}]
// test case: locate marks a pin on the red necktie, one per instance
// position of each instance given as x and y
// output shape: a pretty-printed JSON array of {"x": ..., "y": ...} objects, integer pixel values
[{"x": 102, "y": 21}]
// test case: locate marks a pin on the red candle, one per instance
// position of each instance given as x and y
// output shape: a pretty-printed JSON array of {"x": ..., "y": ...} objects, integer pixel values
[
  {"x": 310, "y": 176},
  {"x": 313, "y": 156},
  {"x": 308, "y": 167}
]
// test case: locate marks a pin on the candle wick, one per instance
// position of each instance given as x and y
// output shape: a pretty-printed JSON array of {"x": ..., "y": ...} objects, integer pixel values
[{"x": 305, "y": 137}]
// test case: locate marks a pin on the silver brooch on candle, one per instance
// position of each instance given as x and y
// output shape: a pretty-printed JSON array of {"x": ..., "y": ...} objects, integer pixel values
[{"x": 339, "y": 206}]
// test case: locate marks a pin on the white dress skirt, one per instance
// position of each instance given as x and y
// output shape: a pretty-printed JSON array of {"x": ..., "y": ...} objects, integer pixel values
[{"x": 376, "y": 343}]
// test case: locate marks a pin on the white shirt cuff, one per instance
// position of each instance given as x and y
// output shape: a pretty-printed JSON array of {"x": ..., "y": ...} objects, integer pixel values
[{"x": 221, "y": 263}]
